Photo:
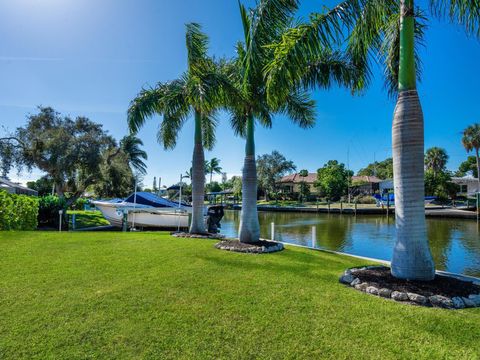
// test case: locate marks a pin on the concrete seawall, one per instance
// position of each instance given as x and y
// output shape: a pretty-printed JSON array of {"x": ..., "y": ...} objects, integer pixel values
[{"x": 438, "y": 212}]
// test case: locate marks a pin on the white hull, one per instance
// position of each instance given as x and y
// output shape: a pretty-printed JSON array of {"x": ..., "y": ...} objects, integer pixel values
[{"x": 143, "y": 216}]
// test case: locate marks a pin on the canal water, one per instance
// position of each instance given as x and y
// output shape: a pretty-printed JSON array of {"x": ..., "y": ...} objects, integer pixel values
[{"x": 455, "y": 243}]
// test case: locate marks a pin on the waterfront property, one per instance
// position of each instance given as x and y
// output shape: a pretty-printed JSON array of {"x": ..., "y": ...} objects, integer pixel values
[
  {"x": 15, "y": 188},
  {"x": 364, "y": 185},
  {"x": 454, "y": 243},
  {"x": 290, "y": 184},
  {"x": 469, "y": 185},
  {"x": 149, "y": 295}
]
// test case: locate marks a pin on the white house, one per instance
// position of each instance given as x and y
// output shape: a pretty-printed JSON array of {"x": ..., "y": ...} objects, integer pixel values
[
  {"x": 469, "y": 185},
  {"x": 15, "y": 188}
]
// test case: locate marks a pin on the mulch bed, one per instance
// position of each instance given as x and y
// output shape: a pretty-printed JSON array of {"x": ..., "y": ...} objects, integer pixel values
[
  {"x": 259, "y": 247},
  {"x": 441, "y": 285},
  {"x": 443, "y": 291}
]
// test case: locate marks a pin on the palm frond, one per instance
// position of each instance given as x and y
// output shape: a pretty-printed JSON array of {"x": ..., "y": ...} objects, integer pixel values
[
  {"x": 463, "y": 12},
  {"x": 169, "y": 129},
  {"x": 209, "y": 125},
  {"x": 197, "y": 44},
  {"x": 238, "y": 121},
  {"x": 300, "y": 109},
  {"x": 146, "y": 104}
]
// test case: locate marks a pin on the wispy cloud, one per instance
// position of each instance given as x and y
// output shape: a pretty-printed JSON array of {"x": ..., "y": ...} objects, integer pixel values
[
  {"x": 90, "y": 60},
  {"x": 29, "y": 59}
]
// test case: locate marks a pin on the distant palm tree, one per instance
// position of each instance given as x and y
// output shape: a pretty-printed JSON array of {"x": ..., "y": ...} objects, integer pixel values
[
  {"x": 262, "y": 26},
  {"x": 196, "y": 92},
  {"x": 130, "y": 145},
  {"x": 436, "y": 160},
  {"x": 471, "y": 141},
  {"x": 213, "y": 166},
  {"x": 390, "y": 31}
]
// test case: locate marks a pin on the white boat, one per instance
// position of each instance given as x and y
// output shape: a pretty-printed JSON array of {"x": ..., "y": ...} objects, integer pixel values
[{"x": 143, "y": 209}]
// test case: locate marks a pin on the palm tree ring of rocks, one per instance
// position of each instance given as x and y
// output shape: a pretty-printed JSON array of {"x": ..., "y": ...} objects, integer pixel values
[
  {"x": 259, "y": 247},
  {"x": 444, "y": 291}
]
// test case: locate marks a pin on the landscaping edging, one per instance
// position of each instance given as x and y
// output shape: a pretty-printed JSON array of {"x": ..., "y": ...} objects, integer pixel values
[
  {"x": 260, "y": 247},
  {"x": 197, "y": 236},
  {"x": 467, "y": 297}
]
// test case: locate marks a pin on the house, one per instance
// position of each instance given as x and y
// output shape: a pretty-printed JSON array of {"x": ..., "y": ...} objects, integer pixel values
[
  {"x": 469, "y": 185},
  {"x": 364, "y": 185},
  {"x": 290, "y": 184},
  {"x": 16, "y": 188}
]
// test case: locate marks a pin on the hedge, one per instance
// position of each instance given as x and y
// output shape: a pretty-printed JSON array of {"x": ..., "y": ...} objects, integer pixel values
[
  {"x": 18, "y": 212},
  {"x": 48, "y": 216}
]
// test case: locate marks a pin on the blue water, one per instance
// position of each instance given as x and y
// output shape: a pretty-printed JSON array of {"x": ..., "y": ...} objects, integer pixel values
[{"x": 455, "y": 243}]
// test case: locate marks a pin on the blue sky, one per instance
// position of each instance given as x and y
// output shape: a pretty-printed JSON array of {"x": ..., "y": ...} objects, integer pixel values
[{"x": 91, "y": 57}]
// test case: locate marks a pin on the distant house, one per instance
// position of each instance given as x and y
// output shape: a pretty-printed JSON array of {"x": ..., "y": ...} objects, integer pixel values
[
  {"x": 364, "y": 185},
  {"x": 468, "y": 185},
  {"x": 290, "y": 184},
  {"x": 16, "y": 188}
]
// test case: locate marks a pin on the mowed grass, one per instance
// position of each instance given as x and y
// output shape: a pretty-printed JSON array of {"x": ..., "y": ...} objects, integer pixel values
[
  {"x": 149, "y": 295},
  {"x": 86, "y": 219}
]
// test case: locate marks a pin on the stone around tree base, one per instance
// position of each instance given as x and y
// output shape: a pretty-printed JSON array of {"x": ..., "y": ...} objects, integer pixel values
[
  {"x": 260, "y": 247},
  {"x": 443, "y": 292},
  {"x": 198, "y": 236}
]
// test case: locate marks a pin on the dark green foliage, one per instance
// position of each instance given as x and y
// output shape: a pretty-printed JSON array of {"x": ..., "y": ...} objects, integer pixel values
[
  {"x": 332, "y": 180},
  {"x": 48, "y": 215},
  {"x": 213, "y": 186},
  {"x": 469, "y": 165},
  {"x": 381, "y": 169},
  {"x": 270, "y": 169},
  {"x": 440, "y": 185},
  {"x": 18, "y": 212},
  {"x": 436, "y": 159},
  {"x": 44, "y": 185}
]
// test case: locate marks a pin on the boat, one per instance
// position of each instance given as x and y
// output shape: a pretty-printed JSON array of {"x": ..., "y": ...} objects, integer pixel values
[
  {"x": 389, "y": 199},
  {"x": 145, "y": 210}
]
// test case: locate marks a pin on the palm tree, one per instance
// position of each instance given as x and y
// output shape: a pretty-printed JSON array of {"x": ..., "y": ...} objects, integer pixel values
[
  {"x": 130, "y": 145},
  {"x": 213, "y": 166},
  {"x": 262, "y": 26},
  {"x": 471, "y": 141},
  {"x": 436, "y": 160},
  {"x": 391, "y": 30},
  {"x": 195, "y": 92}
]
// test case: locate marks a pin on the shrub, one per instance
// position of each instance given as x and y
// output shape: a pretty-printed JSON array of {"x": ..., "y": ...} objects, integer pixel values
[
  {"x": 365, "y": 199},
  {"x": 18, "y": 212},
  {"x": 79, "y": 204},
  {"x": 48, "y": 211}
]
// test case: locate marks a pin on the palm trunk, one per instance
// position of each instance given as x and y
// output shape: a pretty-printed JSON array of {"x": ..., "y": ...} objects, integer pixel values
[
  {"x": 249, "y": 227},
  {"x": 412, "y": 258},
  {"x": 197, "y": 225}
]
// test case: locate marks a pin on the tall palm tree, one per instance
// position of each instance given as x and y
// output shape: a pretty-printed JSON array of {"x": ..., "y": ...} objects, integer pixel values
[
  {"x": 471, "y": 141},
  {"x": 195, "y": 92},
  {"x": 262, "y": 26},
  {"x": 389, "y": 30},
  {"x": 436, "y": 160},
  {"x": 213, "y": 166},
  {"x": 130, "y": 145}
]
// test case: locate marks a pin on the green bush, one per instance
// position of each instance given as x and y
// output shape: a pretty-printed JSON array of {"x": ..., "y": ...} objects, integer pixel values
[
  {"x": 18, "y": 212},
  {"x": 48, "y": 211},
  {"x": 79, "y": 204}
]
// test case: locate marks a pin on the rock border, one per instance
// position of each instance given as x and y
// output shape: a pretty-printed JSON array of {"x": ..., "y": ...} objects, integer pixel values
[
  {"x": 260, "y": 247},
  {"x": 197, "y": 236},
  {"x": 457, "y": 302}
]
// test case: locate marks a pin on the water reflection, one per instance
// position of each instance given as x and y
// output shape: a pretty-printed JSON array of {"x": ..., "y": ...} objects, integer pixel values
[{"x": 455, "y": 243}]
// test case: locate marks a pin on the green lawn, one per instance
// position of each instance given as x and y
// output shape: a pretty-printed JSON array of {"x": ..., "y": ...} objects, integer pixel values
[
  {"x": 86, "y": 219},
  {"x": 148, "y": 295}
]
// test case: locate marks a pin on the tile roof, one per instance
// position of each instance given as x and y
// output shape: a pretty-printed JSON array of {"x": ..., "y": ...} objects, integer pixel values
[{"x": 296, "y": 178}]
